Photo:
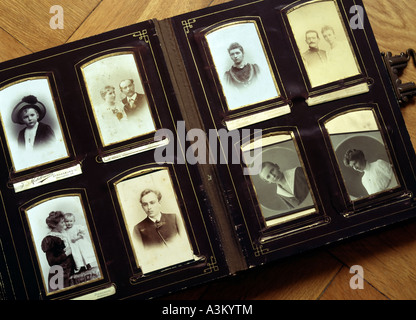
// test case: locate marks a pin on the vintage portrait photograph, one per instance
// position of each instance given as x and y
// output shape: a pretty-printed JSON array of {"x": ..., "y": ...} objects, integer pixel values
[
  {"x": 154, "y": 221},
  {"x": 281, "y": 186},
  {"x": 31, "y": 125},
  {"x": 120, "y": 105},
  {"x": 62, "y": 241},
  {"x": 322, "y": 41},
  {"x": 241, "y": 64},
  {"x": 362, "y": 156}
]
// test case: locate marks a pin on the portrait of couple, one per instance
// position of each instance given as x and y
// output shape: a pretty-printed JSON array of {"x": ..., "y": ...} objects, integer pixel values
[
  {"x": 120, "y": 105},
  {"x": 323, "y": 43}
]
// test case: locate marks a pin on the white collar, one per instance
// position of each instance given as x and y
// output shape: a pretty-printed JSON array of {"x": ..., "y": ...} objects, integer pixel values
[
  {"x": 133, "y": 97},
  {"x": 157, "y": 218},
  {"x": 289, "y": 176}
]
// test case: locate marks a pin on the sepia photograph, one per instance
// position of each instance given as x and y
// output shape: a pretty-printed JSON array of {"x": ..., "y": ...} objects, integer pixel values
[
  {"x": 120, "y": 105},
  {"x": 154, "y": 221},
  {"x": 323, "y": 42},
  {"x": 241, "y": 64},
  {"x": 31, "y": 124},
  {"x": 362, "y": 155},
  {"x": 62, "y": 241},
  {"x": 281, "y": 187}
]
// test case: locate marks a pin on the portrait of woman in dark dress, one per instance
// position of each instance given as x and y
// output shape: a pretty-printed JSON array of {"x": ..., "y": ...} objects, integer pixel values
[{"x": 57, "y": 248}]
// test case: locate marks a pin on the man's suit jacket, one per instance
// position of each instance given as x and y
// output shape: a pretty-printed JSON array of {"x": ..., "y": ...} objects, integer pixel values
[
  {"x": 159, "y": 233},
  {"x": 315, "y": 57},
  {"x": 138, "y": 104}
]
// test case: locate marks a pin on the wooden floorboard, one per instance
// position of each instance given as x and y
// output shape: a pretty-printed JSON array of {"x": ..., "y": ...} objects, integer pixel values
[
  {"x": 11, "y": 47},
  {"x": 340, "y": 289},
  {"x": 387, "y": 256},
  {"x": 303, "y": 277},
  {"x": 28, "y": 21}
]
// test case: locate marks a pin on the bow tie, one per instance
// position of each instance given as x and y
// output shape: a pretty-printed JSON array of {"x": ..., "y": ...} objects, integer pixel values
[{"x": 159, "y": 224}]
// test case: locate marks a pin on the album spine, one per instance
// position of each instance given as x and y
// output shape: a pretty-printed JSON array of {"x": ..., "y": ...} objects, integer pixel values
[{"x": 190, "y": 113}]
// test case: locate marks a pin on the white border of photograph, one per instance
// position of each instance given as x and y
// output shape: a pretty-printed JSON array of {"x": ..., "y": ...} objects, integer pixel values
[
  {"x": 36, "y": 216},
  {"x": 270, "y": 146},
  {"x": 331, "y": 57},
  {"x": 246, "y": 34},
  {"x": 10, "y": 96},
  {"x": 114, "y": 125},
  {"x": 128, "y": 192},
  {"x": 359, "y": 130}
]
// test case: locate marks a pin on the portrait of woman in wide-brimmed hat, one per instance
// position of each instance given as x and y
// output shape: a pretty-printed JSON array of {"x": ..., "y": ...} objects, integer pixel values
[{"x": 30, "y": 112}]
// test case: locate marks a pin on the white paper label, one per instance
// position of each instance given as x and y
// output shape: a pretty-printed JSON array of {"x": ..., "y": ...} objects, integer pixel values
[
  {"x": 258, "y": 117},
  {"x": 134, "y": 151},
  {"x": 47, "y": 178},
  {"x": 340, "y": 94},
  {"x": 99, "y": 294}
]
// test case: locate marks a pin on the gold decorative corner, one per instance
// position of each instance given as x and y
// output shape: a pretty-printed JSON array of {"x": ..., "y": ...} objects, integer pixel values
[
  {"x": 142, "y": 35},
  {"x": 212, "y": 266},
  {"x": 259, "y": 251},
  {"x": 188, "y": 24}
]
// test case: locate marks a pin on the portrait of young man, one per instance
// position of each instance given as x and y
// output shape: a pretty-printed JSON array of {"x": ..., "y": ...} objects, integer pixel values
[
  {"x": 154, "y": 221},
  {"x": 281, "y": 185},
  {"x": 291, "y": 185},
  {"x": 157, "y": 229}
]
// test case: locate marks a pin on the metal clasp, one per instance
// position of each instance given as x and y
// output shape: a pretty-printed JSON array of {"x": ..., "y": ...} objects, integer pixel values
[{"x": 395, "y": 66}]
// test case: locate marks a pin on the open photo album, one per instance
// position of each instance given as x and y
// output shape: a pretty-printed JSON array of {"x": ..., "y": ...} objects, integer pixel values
[{"x": 171, "y": 153}]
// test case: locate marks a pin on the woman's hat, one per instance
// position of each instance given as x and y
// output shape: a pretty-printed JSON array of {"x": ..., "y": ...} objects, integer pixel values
[{"x": 28, "y": 102}]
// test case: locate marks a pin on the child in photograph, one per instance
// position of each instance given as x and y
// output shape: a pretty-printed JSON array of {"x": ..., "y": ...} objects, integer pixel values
[
  {"x": 82, "y": 250},
  {"x": 30, "y": 112}
]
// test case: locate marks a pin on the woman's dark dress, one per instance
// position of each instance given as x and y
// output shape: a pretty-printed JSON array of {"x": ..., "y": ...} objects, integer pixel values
[{"x": 54, "y": 247}]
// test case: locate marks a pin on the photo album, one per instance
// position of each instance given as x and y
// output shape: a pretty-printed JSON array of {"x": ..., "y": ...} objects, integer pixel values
[{"x": 171, "y": 153}]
